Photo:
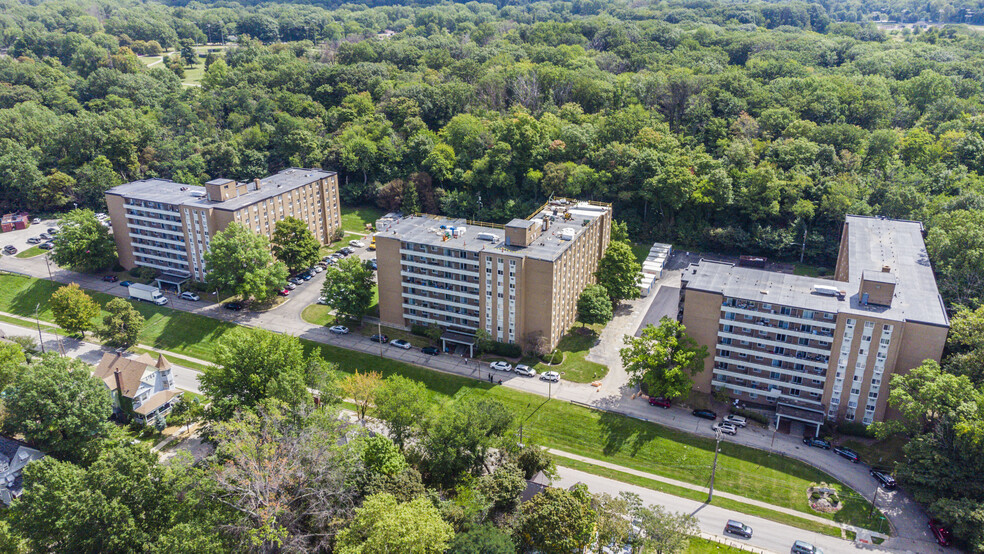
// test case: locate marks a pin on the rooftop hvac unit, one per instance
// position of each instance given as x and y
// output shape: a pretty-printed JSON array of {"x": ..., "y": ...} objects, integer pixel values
[
  {"x": 491, "y": 237},
  {"x": 567, "y": 233}
]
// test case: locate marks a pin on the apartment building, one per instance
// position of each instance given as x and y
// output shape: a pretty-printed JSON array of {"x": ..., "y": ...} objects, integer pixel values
[
  {"x": 517, "y": 281},
  {"x": 819, "y": 349},
  {"x": 164, "y": 225}
]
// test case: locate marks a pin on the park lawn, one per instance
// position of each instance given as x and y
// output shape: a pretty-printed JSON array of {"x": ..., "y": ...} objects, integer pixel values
[
  {"x": 574, "y": 346},
  {"x": 604, "y": 436},
  {"x": 354, "y": 219},
  {"x": 30, "y": 252}
]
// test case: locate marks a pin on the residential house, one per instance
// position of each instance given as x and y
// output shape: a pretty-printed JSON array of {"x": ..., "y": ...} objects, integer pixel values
[
  {"x": 14, "y": 456},
  {"x": 141, "y": 388}
]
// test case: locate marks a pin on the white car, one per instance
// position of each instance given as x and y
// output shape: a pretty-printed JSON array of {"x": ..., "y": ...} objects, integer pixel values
[
  {"x": 357, "y": 244},
  {"x": 501, "y": 366},
  {"x": 551, "y": 376},
  {"x": 317, "y": 269},
  {"x": 736, "y": 420},
  {"x": 290, "y": 286},
  {"x": 726, "y": 428},
  {"x": 400, "y": 343},
  {"x": 338, "y": 329},
  {"x": 321, "y": 300},
  {"x": 525, "y": 370},
  {"x": 188, "y": 295},
  {"x": 36, "y": 221}
]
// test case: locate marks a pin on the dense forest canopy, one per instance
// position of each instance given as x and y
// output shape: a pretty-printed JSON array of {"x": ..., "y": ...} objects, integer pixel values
[{"x": 715, "y": 125}]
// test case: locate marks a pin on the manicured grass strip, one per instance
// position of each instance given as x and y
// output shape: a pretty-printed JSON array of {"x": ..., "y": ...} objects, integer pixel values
[
  {"x": 30, "y": 252},
  {"x": 700, "y": 545},
  {"x": 590, "y": 433},
  {"x": 318, "y": 314},
  {"x": 699, "y": 496},
  {"x": 574, "y": 346}
]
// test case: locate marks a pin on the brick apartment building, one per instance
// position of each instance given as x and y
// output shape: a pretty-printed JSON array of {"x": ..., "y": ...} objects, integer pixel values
[
  {"x": 167, "y": 226},
  {"x": 516, "y": 281},
  {"x": 819, "y": 349}
]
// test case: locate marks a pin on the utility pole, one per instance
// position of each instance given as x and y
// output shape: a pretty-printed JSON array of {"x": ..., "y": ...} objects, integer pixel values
[
  {"x": 874, "y": 499},
  {"x": 379, "y": 332},
  {"x": 524, "y": 423},
  {"x": 717, "y": 448},
  {"x": 38, "y": 321}
]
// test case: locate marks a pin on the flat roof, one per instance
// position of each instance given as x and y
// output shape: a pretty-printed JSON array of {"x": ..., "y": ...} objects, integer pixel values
[
  {"x": 873, "y": 243},
  {"x": 427, "y": 229},
  {"x": 169, "y": 192}
]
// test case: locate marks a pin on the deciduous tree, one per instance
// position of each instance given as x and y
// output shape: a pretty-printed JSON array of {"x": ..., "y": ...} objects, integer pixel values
[
  {"x": 382, "y": 525},
  {"x": 664, "y": 359},
  {"x": 402, "y": 404},
  {"x": 84, "y": 244},
  {"x": 594, "y": 306},
  {"x": 122, "y": 325},
  {"x": 362, "y": 388},
  {"x": 618, "y": 272},
  {"x": 73, "y": 309},
  {"x": 348, "y": 287},
  {"x": 240, "y": 262},
  {"x": 294, "y": 244},
  {"x": 555, "y": 521},
  {"x": 665, "y": 532}
]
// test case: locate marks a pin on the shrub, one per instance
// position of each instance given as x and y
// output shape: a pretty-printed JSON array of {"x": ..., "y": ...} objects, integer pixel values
[
  {"x": 855, "y": 429},
  {"x": 143, "y": 273},
  {"x": 506, "y": 350},
  {"x": 419, "y": 330}
]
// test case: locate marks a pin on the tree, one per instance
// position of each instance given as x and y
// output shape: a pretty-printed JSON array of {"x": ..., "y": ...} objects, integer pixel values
[
  {"x": 240, "y": 262},
  {"x": 483, "y": 539},
  {"x": 556, "y": 521},
  {"x": 966, "y": 344},
  {"x": 594, "y": 306},
  {"x": 955, "y": 243},
  {"x": 93, "y": 180},
  {"x": 11, "y": 358},
  {"x": 382, "y": 525},
  {"x": 665, "y": 532},
  {"x": 73, "y": 309},
  {"x": 56, "y": 190},
  {"x": 58, "y": 406},
  {"x": 294, "y": 244},
  {"x": 532, "y": 459},
  {"x": 122, "y": 325},
  {"x": 125, "y": 501},
  {"x": 620, "y": 232},
  {"x": 84, "y": 244},
  {"x": 402, "y": 404},
  {"x": 617, "y": 272},
  {"x": 381, "y": 456},
  {"x": 925, "y": 396},
  {"x": 664, "y": 359},
  {"x": 457, "y": 441},
  {"x": 362, "y": 387},
  {"x": 614, "y": 524},
  {"x": 188, "y": 54},
  {"x": 284, "y": 477},
  {"x": 348, "y": 287},
  {"x": 254, "y": 365},
  {"x": 503, "y": 487}
]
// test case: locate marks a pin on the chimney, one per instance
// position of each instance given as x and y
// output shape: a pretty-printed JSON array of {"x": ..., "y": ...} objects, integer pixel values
[
  {"x": 119, "y": 380},
  {"x": 886, "y": 269},
  {"x": 256, "y": 181}
]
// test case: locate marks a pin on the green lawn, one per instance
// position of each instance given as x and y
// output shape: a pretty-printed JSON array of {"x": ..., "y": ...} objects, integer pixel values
[
  {"x": 617, "y": 439},
  {"x": 574, "y": 347},
  {"x": 884, "y": 453},
  {"x": 809, "y": 270},
  {"x": 30, "y": 252},
  {"x": 318, "y": 314},
  {"x": 354, "y": 219},
  {"x": 700, "y": 545},
  {"x": 641, "y": 251}
]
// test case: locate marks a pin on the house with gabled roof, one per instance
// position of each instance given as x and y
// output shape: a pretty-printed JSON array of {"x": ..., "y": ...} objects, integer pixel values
[
  {"x": 14, "y": 456},
  {"x": 141, "y": 388}
]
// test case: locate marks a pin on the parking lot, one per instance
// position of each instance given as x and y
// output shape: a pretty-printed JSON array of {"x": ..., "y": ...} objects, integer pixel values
[{"x": 18, "y": 238}]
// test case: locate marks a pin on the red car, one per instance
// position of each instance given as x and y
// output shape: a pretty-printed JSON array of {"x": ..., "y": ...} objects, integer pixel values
[
  {"x": 940, "y": 533},
  {"x": 285, "y": 292},
  {"x": 659, "y": 401},
  {"x": 110, "y": 278}
]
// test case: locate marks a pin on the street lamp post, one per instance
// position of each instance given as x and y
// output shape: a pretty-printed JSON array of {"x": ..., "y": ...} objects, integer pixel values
[
  {"x": 717, "y": 448},
  {"x": 524, "y": 423},
  {"x": 47, "y": 263},
  {"x": 38, "y": 321},
  {"x": 874, "y": 500}
]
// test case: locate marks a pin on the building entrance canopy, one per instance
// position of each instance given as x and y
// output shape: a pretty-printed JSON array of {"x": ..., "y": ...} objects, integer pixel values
[
  {"x": 458, "y": 338},
  {"x": 172, "y": 280}
]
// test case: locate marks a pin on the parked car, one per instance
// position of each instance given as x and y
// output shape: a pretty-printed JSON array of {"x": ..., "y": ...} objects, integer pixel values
[
  {"x": 290, "y": 285},
  {"x": 705, "y": 414},
  {"x": 46, "y": 246},
  {"x": 803, "y": 547},
  {"x": 551, "y": 376},
  {"x": 34, "y": 240},
  {"x": 940, "y": 533},
  {"x": 525, "y": 370},
  {"x": 357, "y": 244},
  {"x": 816, "y": 443},
  {"x": 307, "y": 275},
  {"x": 738, "y": 528},
  {"x": 400, "y": 343},
  {"x": 501, "y": 366},
  {"x": 45, "y": 236},
  {"x": 52, "y": 230},
  {"x": 316, "y": 268},
  {"x": 322, "y": 301},
  {"x": 659, "y": 401},
  {"x": 845, "y": 452},
  {"x": 379, "y": 338},
  {"x": 726, "y": 428},
  {"x": 110, "y": 278},
  {"x": 36, "y": 221},
  {"x": 126, "y": 283},
  {"x": 284, "y": 292},
  {"x": 234, "y": 306},
  {"x": 432, "y": 350},
  {"x": 295, "y": 280},
  {"x": 338, "y": 329},
  {"x": 883, "y": 477},
  {"x": 736, "y": 420},
  {"x": 9, "y": 250},
  {"x": 372, "y": 264},
  {"x": 190, "y": 296}
]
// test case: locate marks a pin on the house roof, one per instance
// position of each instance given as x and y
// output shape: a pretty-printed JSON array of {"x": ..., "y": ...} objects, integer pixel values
[
  {"x": 534, "y": 486},
  {"x": 131, "y": 370},
  {"x": 157, "y": 401},
  {"x": 15, "y": 455}
]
